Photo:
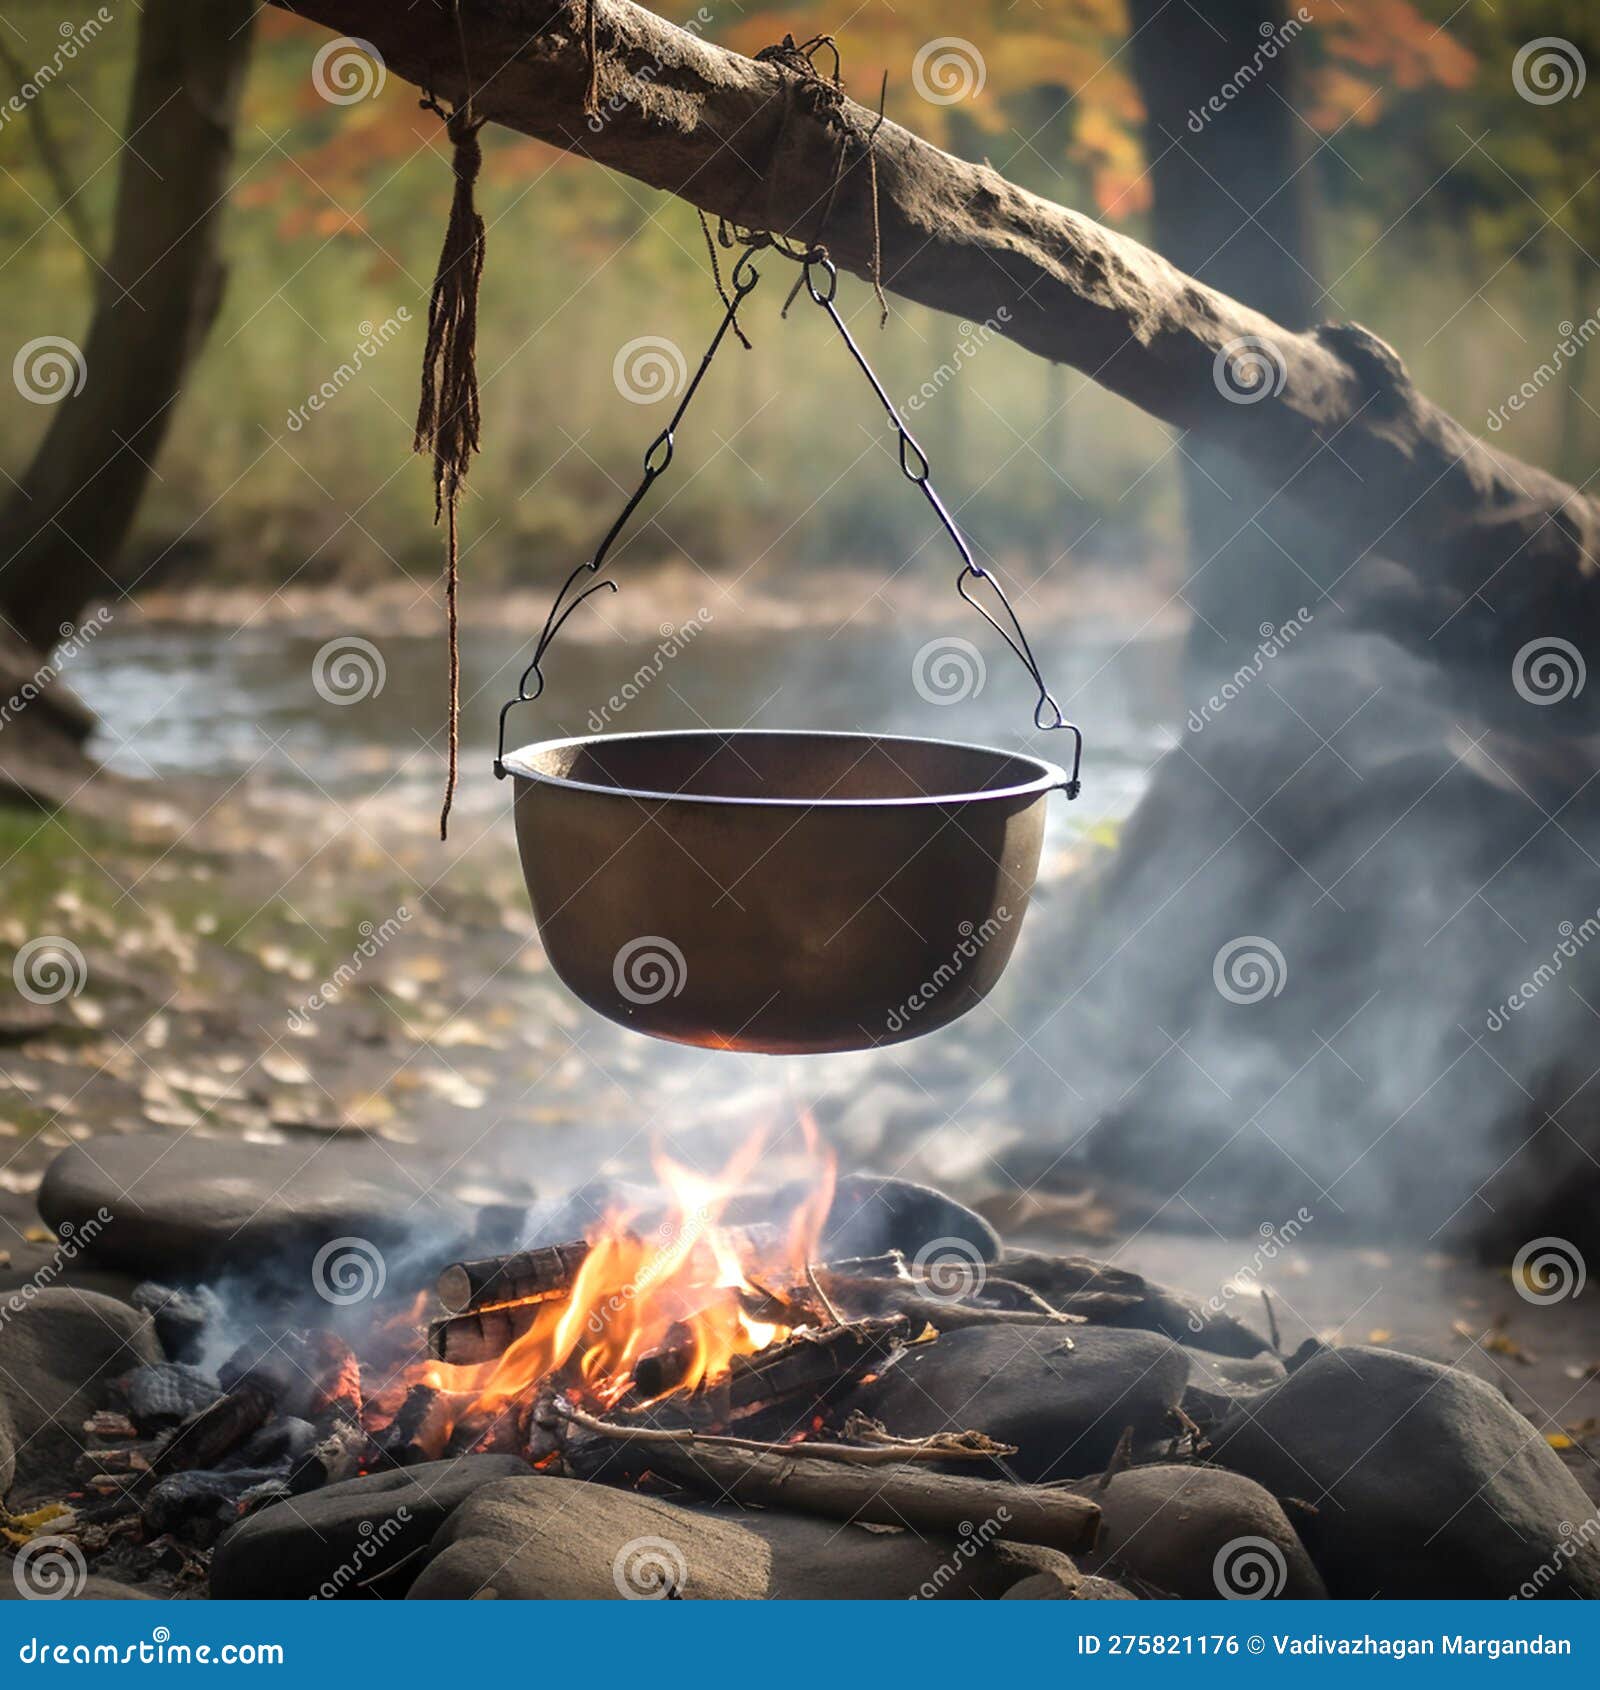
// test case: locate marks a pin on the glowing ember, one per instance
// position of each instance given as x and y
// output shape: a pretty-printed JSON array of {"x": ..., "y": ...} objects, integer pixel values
[{"x": 680, "y": 1293}]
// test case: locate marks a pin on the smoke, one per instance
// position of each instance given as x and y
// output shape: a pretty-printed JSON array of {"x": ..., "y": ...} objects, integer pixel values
[{"x": 1289, "y": 985}]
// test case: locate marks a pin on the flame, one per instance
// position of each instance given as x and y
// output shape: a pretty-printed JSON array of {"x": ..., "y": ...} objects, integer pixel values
[{"x": 681, "y": 1288}]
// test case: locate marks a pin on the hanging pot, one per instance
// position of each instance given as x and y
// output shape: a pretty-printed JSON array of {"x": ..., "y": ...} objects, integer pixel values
[
  {"x": 779, "y": 891},
  {"x": 774, "y": 891}
]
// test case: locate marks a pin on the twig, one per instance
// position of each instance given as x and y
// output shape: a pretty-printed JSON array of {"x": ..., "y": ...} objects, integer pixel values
[
  {"x": 962, "y": 1446},
  {"x": 1272, "y": 1323},
  {"x": 822, "y": 1296}
]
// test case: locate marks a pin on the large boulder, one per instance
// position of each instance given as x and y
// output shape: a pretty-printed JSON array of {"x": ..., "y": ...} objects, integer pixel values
[
  {"x": 60, "y": 1350},
  {"x": 1425, "y": 1482},
  {"x": 343, "y": 1540},
  {"x": 1063, "y": 1396},
  {"x": 561, "y": 1539},
  {"x": 204, "y": 1206},
  {"x": 1198, "y": 1532}
]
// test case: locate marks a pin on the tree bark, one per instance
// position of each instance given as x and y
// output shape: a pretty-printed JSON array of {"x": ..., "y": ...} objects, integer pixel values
[
  {"x": 1506, "y": 552},
  {"x": 66, "y": 526}
]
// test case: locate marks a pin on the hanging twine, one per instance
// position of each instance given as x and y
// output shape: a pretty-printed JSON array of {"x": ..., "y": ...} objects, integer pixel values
[
  {"x": 447, "y": 413},
  {"x": 822, "y": 96}
]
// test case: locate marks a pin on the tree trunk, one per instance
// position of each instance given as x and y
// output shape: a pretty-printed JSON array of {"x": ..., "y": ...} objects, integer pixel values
[
  {"x": 67, "y": 523},
  {"x": 1226, "y": 152},
  {"x": 1502, "y": 552}
]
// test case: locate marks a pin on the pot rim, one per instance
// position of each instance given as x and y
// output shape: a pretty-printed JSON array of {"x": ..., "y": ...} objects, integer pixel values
[{"x": 1050, "y": 775}]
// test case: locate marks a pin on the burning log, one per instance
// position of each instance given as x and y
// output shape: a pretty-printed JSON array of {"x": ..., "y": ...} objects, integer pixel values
[
  {"x": 341, "y": 1455},
  {"x": 481, "y": 1335},
  {"x": 206, "y": 1438},
  {"x": 906, "y": 1494},
  {"x": 419, "y": 1431},
  {"x": 535, "y": 1276},
  {"x": 523, "y": 1276},
  {"x": 812, "y": 1364}
]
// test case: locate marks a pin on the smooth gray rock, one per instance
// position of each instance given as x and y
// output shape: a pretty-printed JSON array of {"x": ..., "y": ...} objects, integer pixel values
[
  {"x": 210, "y": 1204},
  {"x": 60, "y": 1350},
  {"x": 542, "y": 1538},
  {"x": 1062, "y": 1396},
  {"x": 327, "y": 1543},
  {"x": 95, "y": 1588},
  {"x": 1426, "y": 1483},
  {"x": 1198, "y": 1532}
]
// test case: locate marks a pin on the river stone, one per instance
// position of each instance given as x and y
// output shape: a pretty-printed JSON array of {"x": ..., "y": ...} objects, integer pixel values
[
  {"x": 95, "y": 1588},
  {"x": 871, "y": 1214},
  {"x": 1062, "y": 1396},
  {"x": 60, "y": 1350},
  {"x": 1199, "y": 1533},
  {"x": 1425, "y": 1481},
  {"x": 1046, "y": 1587},
  {"x": 326, "y": 1543},
  {"x": 204, "y": 1205},
  {"x": 561, "y": 1539}
]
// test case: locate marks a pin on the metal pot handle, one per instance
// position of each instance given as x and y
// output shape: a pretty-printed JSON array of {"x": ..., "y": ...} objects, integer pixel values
[
  {"x": 913, "y": 464},
  {"x": 656, "y": 459}
]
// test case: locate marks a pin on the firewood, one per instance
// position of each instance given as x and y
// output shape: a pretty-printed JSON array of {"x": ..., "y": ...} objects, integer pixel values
[
  {"x": 907, "y": 1494},
  {"x": 530, "y": 1276},
  {"x": 877, "y": 1448},
  {"x": 518, "y": 1277},
  {"x": 483, "y": 1335},
  {"x": 906, "y": 1297},
  {"x": 814, "y": 1363},
  {"x": 418, "y": 1431},
  {"x": 341, "y": 1455},
  {"x": 206, "y": 1438}
]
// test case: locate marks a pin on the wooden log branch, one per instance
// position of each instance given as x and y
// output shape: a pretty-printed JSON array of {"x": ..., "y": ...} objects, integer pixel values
[
  {"x": 907, "y": 1494},
  {"x": 1338, "y": 427}
]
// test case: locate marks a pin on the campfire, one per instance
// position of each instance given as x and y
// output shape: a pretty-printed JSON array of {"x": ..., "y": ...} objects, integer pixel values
[{"x": 672, "y": 1348}]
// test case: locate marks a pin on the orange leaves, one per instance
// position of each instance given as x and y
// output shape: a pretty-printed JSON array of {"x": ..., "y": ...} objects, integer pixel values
[{"x": 1369, "y": 47}]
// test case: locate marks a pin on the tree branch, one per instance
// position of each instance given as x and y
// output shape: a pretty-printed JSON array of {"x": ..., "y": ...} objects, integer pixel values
[{"x": 1340, "y": 429}]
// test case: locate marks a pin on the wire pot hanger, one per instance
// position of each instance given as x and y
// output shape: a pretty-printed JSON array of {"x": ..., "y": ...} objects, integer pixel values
[{"x": 820, "y": 279}]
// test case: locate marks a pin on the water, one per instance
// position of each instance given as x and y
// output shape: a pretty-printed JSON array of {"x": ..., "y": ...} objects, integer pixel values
[{"x": 201, "y": 701}]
